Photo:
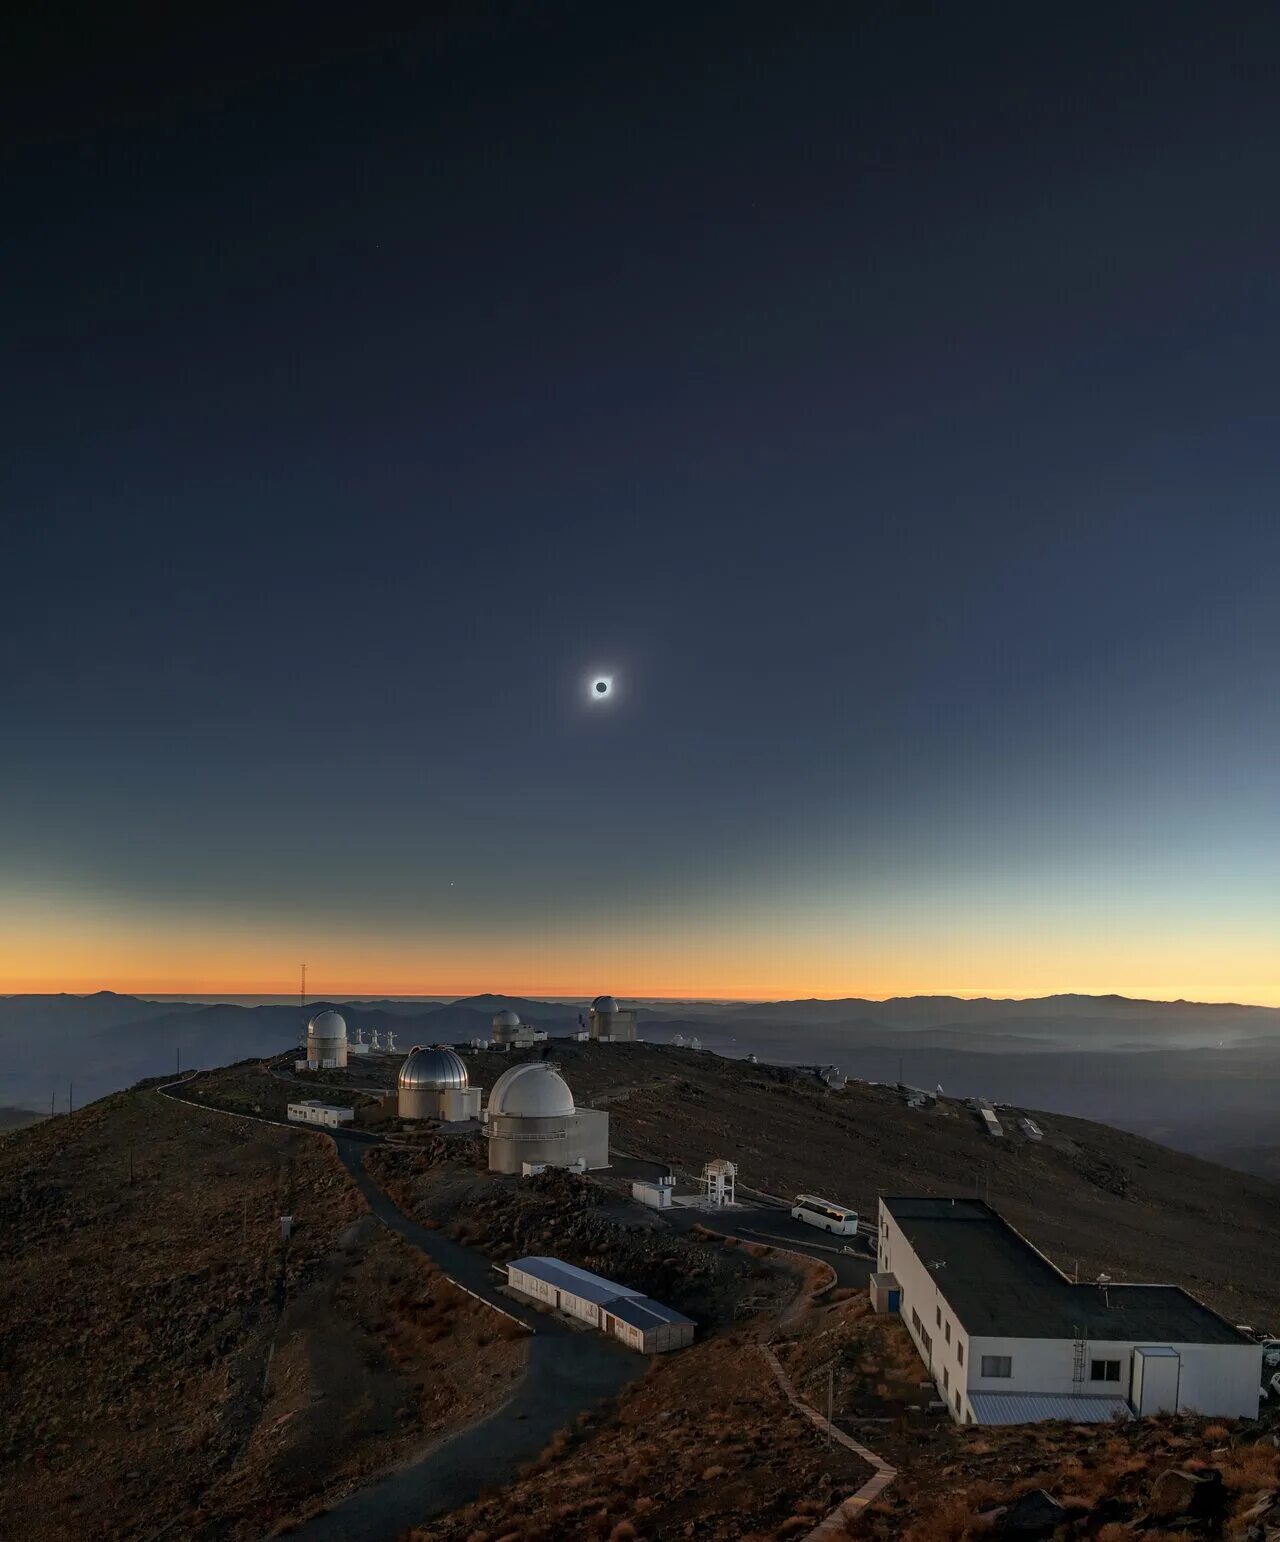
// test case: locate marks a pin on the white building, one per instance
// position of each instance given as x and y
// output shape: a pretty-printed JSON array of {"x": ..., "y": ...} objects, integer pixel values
[
  {"x": 510, "y": 1033},
  {"x": 1009, "y": 1339},
  {"x": 627, "y": 1314},
  {"x": 609, "y": 1022},
  {"x": 313, "y": 1111},
  {"x": 531, "y": 1117},
  {"x": 434, "y": 1084},
  {"x": 326, "y": 1041}
]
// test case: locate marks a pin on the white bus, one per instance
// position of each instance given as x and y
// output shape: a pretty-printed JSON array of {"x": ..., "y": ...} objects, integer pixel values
[{"x": 823, "y": 1213}]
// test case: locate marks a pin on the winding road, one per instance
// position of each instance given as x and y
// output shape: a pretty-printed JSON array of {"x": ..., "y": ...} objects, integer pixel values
[{"x": 568, "y": 1371}]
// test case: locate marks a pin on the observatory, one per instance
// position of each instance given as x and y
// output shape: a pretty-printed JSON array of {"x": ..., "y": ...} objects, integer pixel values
[
  {"x": 509, "y": 1032},
  {"x": 609, "y": 1022},
  {"x": 433, "y": 1084},
  {"x": 531, "y": 1118},
  {"x": 326, "y": 1041}
]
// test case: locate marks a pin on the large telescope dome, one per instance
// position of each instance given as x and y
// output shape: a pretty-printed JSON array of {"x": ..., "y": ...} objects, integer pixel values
[
  {"x": 437, "y": 1069},
  {"x": 328, "y": 1025},
  {"x": 506, "y": 1018},
  {"x": 534, "y": 1090},
  {"x": 605, "y": 1004}
]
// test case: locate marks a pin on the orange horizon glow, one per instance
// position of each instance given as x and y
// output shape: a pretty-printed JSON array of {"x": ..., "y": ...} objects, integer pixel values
[{"x": 345, "y": 990}]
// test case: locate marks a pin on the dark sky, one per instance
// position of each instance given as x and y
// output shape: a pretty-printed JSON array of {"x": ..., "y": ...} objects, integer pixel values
[{"x": 886, "y": 398}]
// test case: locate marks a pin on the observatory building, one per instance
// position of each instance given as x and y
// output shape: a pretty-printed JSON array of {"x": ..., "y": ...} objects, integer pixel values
[
  {"x": 609, "y": 1022},
  {"x": 433, "y": 1084},
  {"x": 531, "y": 1117},
  {"x": 510, "y": 1033},
  {"x": 326, "y": 1041}
]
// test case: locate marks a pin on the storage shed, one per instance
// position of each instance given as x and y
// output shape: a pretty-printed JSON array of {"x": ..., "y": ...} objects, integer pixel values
[{"x": 313, "y": 1111}]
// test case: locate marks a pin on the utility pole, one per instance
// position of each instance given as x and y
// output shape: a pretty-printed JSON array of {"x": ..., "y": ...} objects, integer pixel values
[
  {"x": 53, "y": 1098},
  {"x": 302, "y": 991},
  {"x": 71, "y": 1107}
]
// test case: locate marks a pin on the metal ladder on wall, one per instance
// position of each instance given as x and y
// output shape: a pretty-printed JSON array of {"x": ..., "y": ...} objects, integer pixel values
[{"x": 1081, "y": 1354}]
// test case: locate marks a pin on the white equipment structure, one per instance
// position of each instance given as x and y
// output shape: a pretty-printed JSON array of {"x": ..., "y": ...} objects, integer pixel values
[
  {"x": 719, "y": 1182},
  {"x": 654, "y": 1192},
  {"x": 374, "y": 1043},
  {"x": 695, "y": 1043},
  {"x": 391, "y": 1041},
  {"x": 677, "y": 1041}
]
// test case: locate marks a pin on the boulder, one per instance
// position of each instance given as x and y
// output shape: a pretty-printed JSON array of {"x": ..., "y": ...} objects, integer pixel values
[
  {"x": 1179, "y": 1492},
  {"x": 1031, "y": 1515}
]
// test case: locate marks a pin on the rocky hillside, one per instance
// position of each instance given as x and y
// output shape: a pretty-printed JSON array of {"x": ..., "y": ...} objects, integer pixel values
[{"x": 163, "y": 1359}]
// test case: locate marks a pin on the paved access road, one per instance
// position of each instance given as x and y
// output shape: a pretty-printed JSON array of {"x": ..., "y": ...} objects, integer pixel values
[
  {"x": 775, "y": 1227},
  {"x": 568, "y": 1370}
]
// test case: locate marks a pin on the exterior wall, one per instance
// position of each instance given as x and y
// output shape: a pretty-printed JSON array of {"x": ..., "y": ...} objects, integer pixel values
[
  {"x": 1222, "y": 1380},
  {"x": 656, "y": 1195},
  {"x": 460, "y": 1103},
  {"x": 513, "y": 1141},
  {"x": 329, "y": 1052},
  {"x": 418, "y": 1103},
  {"x": 947, "y": 1358},
  {"x": 591, "y": 1139},
  {"x": 303, "y": 1113}
]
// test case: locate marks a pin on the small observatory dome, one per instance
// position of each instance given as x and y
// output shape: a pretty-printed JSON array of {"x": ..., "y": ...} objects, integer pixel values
[
  {"x": 534, "y": 1090},
  {"x": 605, "y": 1004},
  {"x": 328, "y": 1025},
  {"x": 437, "y": 1069}
]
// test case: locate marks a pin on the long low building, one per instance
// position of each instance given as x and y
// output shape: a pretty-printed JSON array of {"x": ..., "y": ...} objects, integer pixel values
[
  {"x": 1008, "y": 1338},
  {"x": 627, "y": 1314},
  {"x": 313, "y": 1111}
]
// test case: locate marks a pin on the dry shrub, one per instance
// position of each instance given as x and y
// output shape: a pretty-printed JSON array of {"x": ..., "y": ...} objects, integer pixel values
[
  {"x": 794, "y": 1524},
  {"x": 1115, "y": 1531},
  {"x": 946, "y": 1522},
  {"x": 1216, "y": 1431},
  {"x": 710, "y": 1474},
  {"x": 1251, "y": 1467},
  {"x": 624, "y": 1531},
  {"x": 759, "y": 1250}
]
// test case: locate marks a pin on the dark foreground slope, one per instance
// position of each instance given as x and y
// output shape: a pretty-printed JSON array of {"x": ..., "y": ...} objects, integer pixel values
[
  {"x": 1088, "y": 1195},
  {"x": 168, "y": 1369}
]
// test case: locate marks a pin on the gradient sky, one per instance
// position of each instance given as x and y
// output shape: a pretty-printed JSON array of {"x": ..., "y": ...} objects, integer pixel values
[{"x": 886, "y": 398}]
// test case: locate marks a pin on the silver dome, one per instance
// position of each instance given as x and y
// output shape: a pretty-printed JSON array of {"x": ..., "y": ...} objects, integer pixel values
[
  {"x": 506, "y": 1018},
  {"x": 437, "y": 1069},
  {"x": 328, "y": 1025},
  {"x": 605, "y": 1004}
]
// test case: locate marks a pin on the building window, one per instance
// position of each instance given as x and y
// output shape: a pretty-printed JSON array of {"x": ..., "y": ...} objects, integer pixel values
[
  {"x": 946, "y": 1379},
  {"x": 948, "y": 1333},
  {"x": 957, "y": 1402},
  {"x": 997, "y": 1365},
  {"x": 939, "y": 1322},
  {"x": 1104, "y": 1370},
  {"x": 960, "y": 1353}
]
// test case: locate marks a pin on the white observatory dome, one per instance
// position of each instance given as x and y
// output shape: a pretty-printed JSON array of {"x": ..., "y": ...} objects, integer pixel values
[
  {"x": 506, "y": 1018},
  {"x": 605, "y": 1004},
  {"x": 328, "y": 1025},
  {"x": 437, "y": 1069},
  {"x": 534, "y": 1090}
]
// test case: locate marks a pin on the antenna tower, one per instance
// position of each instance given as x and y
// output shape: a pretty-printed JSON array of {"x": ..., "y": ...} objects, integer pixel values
[{"x": 302, "y": 991}]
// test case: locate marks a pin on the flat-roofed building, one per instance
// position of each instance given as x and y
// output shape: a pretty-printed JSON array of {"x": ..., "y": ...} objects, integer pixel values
[
  {"x": 615, "y": 1309},
  {"x": 1008, "y": 1338},
  {"x": 313, "y": 1111}
]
